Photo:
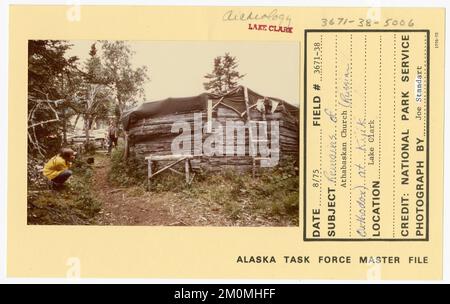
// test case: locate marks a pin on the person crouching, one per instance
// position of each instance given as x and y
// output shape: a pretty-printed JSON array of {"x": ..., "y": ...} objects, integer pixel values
[{"x": 56, "y": 170}]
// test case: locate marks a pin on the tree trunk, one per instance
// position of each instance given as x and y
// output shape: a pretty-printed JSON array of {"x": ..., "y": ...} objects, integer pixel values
[
  {"x": 64, "y": 114},
  {"x": 127, "y": 144},
  {"x": 127, "y": 147},
  {"x": 76, "y": 120},
  {"x": 86, "y": 131},
  {"x": 64, "y": 126}
]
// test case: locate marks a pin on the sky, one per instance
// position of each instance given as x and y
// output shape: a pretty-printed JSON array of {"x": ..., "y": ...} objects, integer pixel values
[{"x": 177, "y": 68}]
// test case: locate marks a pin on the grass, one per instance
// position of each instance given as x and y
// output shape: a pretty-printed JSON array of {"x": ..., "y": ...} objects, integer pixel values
[
  {"x": 269, "y": 195},
  {"x": 131, "y": 172},
  {"x": 272, "y": 194}
]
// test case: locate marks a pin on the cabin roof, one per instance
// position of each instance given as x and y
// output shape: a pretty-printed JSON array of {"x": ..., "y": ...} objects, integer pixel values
[{"x": 234, "y": 98}]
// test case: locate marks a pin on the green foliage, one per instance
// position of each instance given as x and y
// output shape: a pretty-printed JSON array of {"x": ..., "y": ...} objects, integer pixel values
[
  {"x": 59, "y": 88},
  {"x": 169, "y": 182},
  {"x": 128, "y": 172},
  {"x": 136, "y": 191},
  {"x": 224, "y": 76},
  {"x": 51, "y": 79},
  {"x": 81, "y": 186},
  {"x": 74, "y": 204},
  {"x": 46, "y": 64},
  {"x": 94, "y": 97},
  {"x": 94, "y": 67},
  {"x": 127, "y": 81},
  {"x": 272, "y": 193}
]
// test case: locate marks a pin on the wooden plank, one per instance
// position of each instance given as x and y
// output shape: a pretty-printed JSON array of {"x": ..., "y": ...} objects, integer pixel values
[
  {"x": 149, "y": 183},
  {"x": 168, "y": 157},
  {"x": 167, "y": 167},
  {"x": 217, "y": 103},
  {"x": 186, "y": 168},
  {"x": 192, "y": 178},
  {"x": 175, "y": 171},
  {"x": 169, "y": 118},
  {"x": 231, "y": 108}
]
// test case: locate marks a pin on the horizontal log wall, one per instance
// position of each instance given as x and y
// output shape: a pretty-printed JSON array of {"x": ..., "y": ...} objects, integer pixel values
[{"x": 154, "y": 136}]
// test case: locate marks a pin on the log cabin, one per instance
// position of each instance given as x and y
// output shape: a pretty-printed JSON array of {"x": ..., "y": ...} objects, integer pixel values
[{"x": 238, "y": 130}]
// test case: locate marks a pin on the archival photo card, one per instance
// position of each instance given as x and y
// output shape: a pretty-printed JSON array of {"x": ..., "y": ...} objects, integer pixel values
[{"x": 226, "y": 142}]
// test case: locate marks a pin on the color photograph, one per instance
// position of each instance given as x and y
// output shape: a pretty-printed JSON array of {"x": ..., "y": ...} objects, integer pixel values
[{"x": 163, "y": 133}]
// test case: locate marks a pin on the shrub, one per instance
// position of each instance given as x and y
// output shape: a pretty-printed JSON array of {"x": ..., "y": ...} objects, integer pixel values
[
  {"x": 127, "y": 172},
  {"x": 35, "y": 177}
]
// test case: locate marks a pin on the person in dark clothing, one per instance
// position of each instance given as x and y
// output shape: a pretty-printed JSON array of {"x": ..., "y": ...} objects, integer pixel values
[{"x": 112, "y": 136}]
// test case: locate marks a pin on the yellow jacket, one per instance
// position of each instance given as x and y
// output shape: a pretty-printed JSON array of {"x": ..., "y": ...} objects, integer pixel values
[{"x": 55, "y": 166}]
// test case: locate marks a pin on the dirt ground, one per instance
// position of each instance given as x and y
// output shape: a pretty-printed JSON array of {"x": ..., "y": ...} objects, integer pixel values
[{"x": 120, "y": 206}]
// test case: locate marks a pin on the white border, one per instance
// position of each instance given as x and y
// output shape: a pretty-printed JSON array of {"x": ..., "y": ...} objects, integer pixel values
[{"x": 4, "y": 47}]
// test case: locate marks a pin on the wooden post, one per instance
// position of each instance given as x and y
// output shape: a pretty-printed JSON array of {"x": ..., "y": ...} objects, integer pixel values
[
  {"x": 254, "y": 168},
  {"x": 251, "y": 144},
  {"x": 127, "y": 147},
  {"x": 186, "y": 168},
  {"x": 209, "y": 119},
  {"x": 247, "y": 103},
  {"x": 149, "y": 175},
  {"x": 175, "y": 158}
]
